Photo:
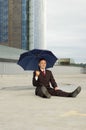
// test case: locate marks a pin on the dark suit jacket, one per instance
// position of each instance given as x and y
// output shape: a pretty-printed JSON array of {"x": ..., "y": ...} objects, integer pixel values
[{"x": 44, "y": 80}]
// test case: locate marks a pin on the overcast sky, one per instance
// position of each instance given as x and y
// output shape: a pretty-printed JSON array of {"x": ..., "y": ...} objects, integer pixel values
[{"x": 66, "y": 28}]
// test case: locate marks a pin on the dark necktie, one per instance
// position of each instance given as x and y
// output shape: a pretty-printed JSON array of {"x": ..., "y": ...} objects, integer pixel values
[{"x": 43, "y": 73}]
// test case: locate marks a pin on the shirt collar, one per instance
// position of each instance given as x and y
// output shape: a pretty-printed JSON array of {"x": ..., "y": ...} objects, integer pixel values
[{"x": 43, "y": 70}]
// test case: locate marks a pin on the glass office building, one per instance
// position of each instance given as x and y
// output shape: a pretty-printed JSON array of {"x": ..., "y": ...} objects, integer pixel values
[
  {"x": 37, "y": 24},
  {"x": 33, "y": 24},
  {"x": 25, "y": 24},
  {"x": 3, "y": 21},
  {"x": 22, "y": 23}
]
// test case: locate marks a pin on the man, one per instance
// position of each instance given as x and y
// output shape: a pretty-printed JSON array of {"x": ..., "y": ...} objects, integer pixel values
[{"x": 42, "y": 80}]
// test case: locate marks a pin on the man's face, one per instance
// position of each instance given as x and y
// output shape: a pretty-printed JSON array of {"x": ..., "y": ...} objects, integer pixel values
[{"x": 42, "y": 64}]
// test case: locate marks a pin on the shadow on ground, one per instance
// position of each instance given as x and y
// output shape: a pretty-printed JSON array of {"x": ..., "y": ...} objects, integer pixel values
[{"x": 18, "y": 88}]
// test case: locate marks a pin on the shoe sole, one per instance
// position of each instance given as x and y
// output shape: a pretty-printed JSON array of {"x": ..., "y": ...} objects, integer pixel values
[
  {"x": 76, "y": 92},
  {"x": 45, "y": 92}
]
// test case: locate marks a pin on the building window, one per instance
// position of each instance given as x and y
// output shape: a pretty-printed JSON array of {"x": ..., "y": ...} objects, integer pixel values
[
  {"x": 24, "y": 25},
  {"x": 3, "y": 20}
]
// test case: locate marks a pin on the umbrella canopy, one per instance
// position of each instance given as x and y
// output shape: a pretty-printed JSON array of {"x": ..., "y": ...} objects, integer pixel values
[{"x": 29, "y": 60}]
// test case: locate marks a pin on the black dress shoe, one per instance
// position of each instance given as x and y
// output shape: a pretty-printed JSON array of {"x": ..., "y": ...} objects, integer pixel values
[
  {"x": 45, "y": 92},
  {"x": 76, "y": 92}
]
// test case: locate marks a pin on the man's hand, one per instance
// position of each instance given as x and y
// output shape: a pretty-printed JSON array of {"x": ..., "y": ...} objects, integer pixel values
[
  {"x": 37, "y": 73},
  {"x": 56, "y": 88}
]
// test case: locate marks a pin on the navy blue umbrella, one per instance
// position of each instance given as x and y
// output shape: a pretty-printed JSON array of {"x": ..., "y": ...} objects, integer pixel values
[{"x": 29, "y": 60}]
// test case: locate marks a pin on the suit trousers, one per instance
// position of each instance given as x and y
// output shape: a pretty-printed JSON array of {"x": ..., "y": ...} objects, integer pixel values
[{"x": 53, "y": 92}]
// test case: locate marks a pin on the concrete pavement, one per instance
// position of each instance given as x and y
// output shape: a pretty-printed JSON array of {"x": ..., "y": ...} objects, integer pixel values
[{"x": 20, "y": 109}]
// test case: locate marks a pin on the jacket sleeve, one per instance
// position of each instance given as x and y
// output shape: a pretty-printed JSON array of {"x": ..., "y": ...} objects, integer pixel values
[
  {"x": 34, "y": 81},
  {"x": 52, "y": 80}
]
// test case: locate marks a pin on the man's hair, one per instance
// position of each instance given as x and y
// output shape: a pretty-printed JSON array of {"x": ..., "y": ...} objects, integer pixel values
[{"x": 42, "y": 59}]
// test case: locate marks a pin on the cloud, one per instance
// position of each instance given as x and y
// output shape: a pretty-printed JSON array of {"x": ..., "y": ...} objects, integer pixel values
[
  {"x": 66, "y": 26},
  {"x": 69, "y": 52}
]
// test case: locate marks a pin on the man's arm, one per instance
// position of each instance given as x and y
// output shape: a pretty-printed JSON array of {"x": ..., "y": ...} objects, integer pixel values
[
  {"x": 53, "y": 82},
  {"x": 35, "y": 78}
]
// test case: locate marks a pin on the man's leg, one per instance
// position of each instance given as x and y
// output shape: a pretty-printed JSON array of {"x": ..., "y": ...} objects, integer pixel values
[
  {"x": 63, "y": 93},
  {"x": 45, "y": 92},
  {"x": 58, "y": 92},
  {"x": 42, "y": 92},
  {"x": 38, "y": 92}
]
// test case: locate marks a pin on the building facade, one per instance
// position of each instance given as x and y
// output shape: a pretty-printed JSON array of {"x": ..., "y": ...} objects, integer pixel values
[
  {"x": 22, "y": 23},
  {"x": 37, "y": 23},
  {"x": 65, "y": 61},
  {"x": 3, "y": 21},
  {"x": 15, "y": 23}
]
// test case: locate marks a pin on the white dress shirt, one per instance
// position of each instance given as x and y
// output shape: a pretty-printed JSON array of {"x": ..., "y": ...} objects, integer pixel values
[{"x": 36, "y": 77}]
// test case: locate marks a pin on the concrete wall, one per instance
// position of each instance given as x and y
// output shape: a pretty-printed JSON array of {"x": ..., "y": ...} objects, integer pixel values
[
  {"x": 13, "y": 68},
  {"x": 67, "y": 70}
]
